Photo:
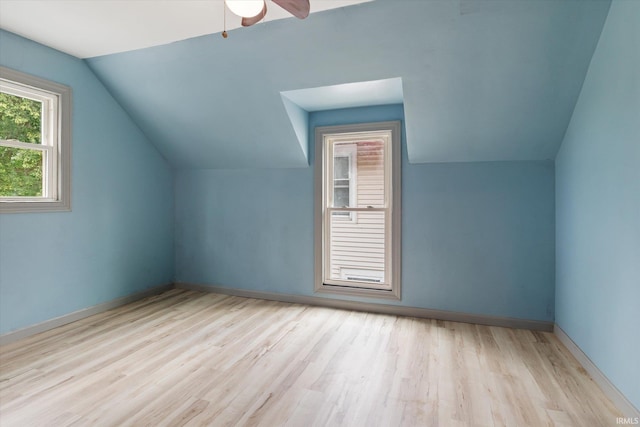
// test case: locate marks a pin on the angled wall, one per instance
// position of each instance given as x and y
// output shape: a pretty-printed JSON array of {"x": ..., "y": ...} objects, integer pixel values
[
  {"x": 118, "y": 238},
  {"x": 598, "y": 207}
]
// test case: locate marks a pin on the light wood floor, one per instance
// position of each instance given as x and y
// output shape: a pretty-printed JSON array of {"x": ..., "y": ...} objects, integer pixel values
[{"x": 185, "y": 357}]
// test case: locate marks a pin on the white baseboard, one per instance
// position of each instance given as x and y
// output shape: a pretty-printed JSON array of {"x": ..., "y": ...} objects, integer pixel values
[
  {"x": 397, "y": 310},
  {"x": 626, "y": 407},
  {"x": 19, "y": 334}
]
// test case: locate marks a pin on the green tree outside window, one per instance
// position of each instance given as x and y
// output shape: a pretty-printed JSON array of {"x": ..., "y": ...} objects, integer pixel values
[{"x": 20, "y": 169}]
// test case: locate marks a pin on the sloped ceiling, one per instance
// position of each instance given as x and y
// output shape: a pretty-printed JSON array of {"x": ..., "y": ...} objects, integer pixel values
[
  {"x": 101, "y": 27},
  {"x": 487, "y": 80}
]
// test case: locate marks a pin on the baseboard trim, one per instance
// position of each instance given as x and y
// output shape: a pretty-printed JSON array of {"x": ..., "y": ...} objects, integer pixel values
[
  {"x": 611, "y": 391},
  {"x": 19, "y": 334},
  {"x": 396, "y": 310}
]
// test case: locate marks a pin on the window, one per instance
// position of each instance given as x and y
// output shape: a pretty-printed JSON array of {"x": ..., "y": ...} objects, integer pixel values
[
  {"x": 35, "y": 144},
  {"x": 357, "y": 220}
]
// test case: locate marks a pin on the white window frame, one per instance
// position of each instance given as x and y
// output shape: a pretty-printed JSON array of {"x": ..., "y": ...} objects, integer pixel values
[
  {"x": 324, "y": 138},
  {"x": 55, "y": 141}
]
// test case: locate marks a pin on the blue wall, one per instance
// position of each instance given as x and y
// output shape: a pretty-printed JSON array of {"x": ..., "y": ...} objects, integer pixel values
[
  {"x": 118, "y": 239},
  {"x": 598, "y": 207},
  {"x": 477, "y": 237}
]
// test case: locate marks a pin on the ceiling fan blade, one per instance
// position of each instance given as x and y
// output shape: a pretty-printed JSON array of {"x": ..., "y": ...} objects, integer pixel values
[
  {"x": 298, "y": 8},
  {"x": 247, "y": 22}
]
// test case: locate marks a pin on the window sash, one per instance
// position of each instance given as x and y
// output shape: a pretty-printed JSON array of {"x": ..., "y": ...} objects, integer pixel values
[
  {"x": 327, "y": 280},
  {"x": 49, "y": 176},
  {"x": 329, "y": 211}
]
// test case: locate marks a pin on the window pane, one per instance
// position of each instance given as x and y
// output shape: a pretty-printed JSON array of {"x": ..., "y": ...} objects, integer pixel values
[
  {"x": 341, "y": 167},
  {"x": 370, "y": 174},
  {"x": 341, "y": 197},
  {"x": 20, "y": 119},
  {"x": 357, "y": 248},
  {"x": 20, "y": 172}
]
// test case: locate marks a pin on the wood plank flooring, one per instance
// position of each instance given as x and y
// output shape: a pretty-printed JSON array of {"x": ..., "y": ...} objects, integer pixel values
[{"x": 190, "y": 358}]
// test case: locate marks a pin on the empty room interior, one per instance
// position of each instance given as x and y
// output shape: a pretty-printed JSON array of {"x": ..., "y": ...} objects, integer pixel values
[{"x": 320, "y": 212}]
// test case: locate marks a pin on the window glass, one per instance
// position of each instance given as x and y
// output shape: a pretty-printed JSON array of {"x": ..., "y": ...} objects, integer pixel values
[
  {"x": 20, "y": 119},
  {"x": 341, "y": 182},
  {"x": 371, "y": 172},
  {"x": 21, "y": 172},
  {"x": 357, "y": 245},
  {"x": 341, "y": 168}
]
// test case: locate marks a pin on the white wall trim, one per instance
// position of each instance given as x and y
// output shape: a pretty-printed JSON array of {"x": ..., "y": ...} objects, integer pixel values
[
  {"x": 19, "y": 334},
  {"x": 395, "y": 310},
  {"x": 611, "y": 391}
]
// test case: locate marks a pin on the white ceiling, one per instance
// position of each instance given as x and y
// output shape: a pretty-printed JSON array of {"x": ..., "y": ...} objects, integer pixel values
[{"x": 89, "y": 28}]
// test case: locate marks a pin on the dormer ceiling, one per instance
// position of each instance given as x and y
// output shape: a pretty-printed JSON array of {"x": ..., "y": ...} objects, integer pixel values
[{"x": 490, "y": 80}]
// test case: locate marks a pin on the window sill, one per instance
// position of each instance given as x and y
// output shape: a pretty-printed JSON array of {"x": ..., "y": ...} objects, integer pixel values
[
  {"x": 393, "y": 294},
  {"x": 32, "y": 207}
]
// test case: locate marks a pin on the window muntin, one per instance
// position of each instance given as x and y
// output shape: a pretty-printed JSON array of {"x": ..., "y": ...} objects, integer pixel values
[
  {"x": 360, "y": 256},
  {"x": 35, "y": 143}
]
